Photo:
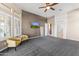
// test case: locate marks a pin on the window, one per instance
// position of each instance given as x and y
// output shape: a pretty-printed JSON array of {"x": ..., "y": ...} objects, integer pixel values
[
  {"x": 16, "y": 26},
  {"x": 10, "y": 22},
  {"x": 4, "y": 25},
  {"x": 17, "y": 23},
  {"x": 1, "y": 27}
]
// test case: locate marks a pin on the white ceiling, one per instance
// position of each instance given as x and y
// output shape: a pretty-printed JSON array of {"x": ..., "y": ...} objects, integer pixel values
[{"x": 60, "y": 8}]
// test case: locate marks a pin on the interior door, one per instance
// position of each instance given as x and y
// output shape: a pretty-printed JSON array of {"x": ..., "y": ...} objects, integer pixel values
[{"x": 60, "y": 29}]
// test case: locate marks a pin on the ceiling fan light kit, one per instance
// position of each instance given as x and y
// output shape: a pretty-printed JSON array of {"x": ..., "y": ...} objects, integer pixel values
[{"x": 49, "y": 6}]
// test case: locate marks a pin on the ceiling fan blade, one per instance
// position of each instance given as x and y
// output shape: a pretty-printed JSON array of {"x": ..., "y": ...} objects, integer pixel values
[
  {"x": 52, "y": 8},
  {"x": 45, "y": 10},
  {"x": 53, "y": 4},
  {"x": 43, "y": 7},
  {"x": 47, "y": 3}
]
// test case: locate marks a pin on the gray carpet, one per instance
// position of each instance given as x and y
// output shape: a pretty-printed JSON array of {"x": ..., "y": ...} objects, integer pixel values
[{"x": 45, "y": 46}]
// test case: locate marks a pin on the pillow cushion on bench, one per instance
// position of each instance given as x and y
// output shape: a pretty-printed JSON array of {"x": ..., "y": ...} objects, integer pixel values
[{"x": 24, "y": 37}]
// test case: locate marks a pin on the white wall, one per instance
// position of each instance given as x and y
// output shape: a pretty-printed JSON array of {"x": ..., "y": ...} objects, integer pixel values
[
  {"x": 67, "y": 24},
  {"x": 73, "y": 25}
]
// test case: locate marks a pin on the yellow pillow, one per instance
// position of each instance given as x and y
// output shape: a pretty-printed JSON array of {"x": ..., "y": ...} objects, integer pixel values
[{"x": 24, "y": 37}]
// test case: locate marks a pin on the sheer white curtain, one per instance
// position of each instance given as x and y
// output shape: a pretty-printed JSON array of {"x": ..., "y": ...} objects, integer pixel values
[{"x": 4, "y": 25}]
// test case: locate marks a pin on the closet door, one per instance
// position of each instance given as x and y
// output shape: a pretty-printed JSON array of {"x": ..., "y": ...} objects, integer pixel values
[{"x": 60, "y": 28}]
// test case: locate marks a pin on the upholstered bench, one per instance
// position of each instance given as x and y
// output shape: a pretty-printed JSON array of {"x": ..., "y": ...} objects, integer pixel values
[{"x": 13, "y": 42}]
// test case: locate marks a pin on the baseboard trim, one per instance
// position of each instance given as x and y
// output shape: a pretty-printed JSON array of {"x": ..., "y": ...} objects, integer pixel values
[
  {"x": 34, "y": 37},
  {"x": 3, "y": 49}
]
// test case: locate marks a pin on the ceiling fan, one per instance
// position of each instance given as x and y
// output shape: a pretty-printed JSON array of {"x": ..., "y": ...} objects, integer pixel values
[{"x": 49, "y": 6}]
